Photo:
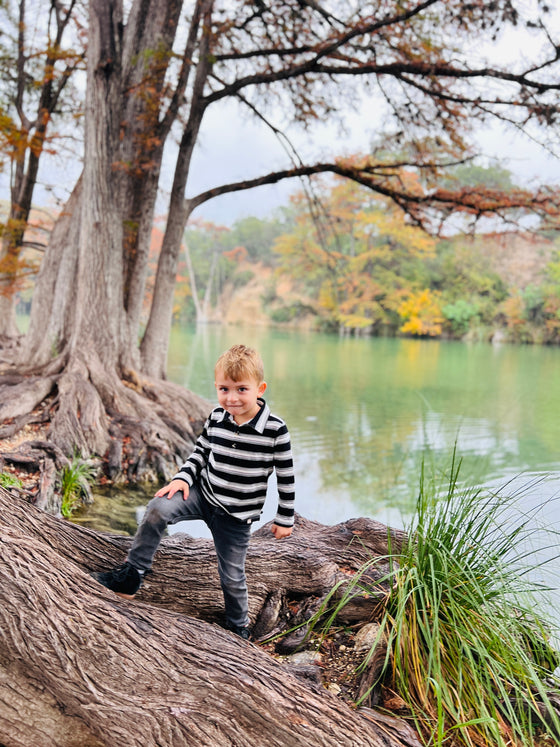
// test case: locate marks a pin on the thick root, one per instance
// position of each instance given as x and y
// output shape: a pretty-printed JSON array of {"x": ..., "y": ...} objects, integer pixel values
[{"x": 138, "y": 429}]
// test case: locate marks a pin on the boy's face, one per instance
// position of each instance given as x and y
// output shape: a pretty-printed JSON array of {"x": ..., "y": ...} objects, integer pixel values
[{"x": 239, "y": 398}]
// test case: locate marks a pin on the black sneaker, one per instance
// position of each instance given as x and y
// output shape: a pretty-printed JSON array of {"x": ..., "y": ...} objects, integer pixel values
[
  {"x": 124, "y": 580},
  {"x": 240, "y": 630}
]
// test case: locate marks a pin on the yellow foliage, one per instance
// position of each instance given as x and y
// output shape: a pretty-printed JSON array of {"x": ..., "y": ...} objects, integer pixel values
[
  {"x": 354, "y": 321},
  {"x": 386, "y": 225},
  {"x": 327, "y": 297},
  {"x": 422, "y": 314},
  {"x": 360, "y": 258}
]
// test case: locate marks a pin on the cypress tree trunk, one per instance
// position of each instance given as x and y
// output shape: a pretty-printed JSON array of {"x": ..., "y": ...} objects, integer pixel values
[{"x": 81, "y": 359}]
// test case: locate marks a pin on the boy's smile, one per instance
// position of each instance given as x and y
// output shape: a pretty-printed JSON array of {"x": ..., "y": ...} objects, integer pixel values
[{"x": 239, "y": 398}]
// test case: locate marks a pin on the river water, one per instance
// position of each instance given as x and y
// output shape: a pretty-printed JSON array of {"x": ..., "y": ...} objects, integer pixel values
[{"x": 366, "y": 413}]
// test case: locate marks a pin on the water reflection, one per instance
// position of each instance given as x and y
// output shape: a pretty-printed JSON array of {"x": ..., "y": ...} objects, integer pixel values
[
  {"x": 116, "y": 509},
  {"x": 364, "y": 414}
]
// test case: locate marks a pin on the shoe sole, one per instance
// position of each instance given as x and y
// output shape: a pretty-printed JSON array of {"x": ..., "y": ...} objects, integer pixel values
[{"x": 118, "y": 593}]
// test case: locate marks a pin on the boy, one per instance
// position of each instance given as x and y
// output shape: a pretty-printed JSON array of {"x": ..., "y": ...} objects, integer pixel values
[{"x": 223, "y": 482}]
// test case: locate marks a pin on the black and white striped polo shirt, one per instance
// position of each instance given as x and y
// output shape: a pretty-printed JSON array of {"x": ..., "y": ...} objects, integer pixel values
[{"x": 232, "y": 463}]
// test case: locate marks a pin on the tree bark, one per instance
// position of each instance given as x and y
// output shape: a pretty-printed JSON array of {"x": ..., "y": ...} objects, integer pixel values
[
  {"x": 100, "y": 249},
  {"x": 194, "y": 290},
  {"x": 79, "y": 666},
  {"x": 151, "y": 25},
  {"x": 55, "y": 294},
  {"x": 83, "y": 337},
  {"x": 155, "y": 343}
]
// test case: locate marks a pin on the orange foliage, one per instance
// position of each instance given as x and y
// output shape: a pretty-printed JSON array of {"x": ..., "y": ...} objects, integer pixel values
[
  {"x": 514, "y": 311},
  {"x": 237, "y": 254},
  {"x": 552, "y": 311}
]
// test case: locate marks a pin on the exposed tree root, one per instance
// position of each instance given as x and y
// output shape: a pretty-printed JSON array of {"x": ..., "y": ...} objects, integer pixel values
[
  {"x": 80, "y": 666},
  {"x": 136, "y": 429}
]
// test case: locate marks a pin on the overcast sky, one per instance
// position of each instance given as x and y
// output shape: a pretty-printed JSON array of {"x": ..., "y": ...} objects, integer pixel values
[{"x": 233, "y": 148}]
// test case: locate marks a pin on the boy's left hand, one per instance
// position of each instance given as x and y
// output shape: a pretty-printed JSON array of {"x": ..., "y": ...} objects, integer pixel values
[{"x": 281, "y": 532}]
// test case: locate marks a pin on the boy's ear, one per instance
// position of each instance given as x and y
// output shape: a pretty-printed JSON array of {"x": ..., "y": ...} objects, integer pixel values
[{"x": 261, "y": 388}]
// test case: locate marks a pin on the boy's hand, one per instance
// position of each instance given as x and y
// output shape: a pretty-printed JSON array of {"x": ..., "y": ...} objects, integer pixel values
[
  {"x": 281, "y": 532},
  {"x": 174, "y": 487}
]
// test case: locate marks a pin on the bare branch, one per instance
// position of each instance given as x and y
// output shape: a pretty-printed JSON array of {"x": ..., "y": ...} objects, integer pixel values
[{"x": 386, "y": 180}]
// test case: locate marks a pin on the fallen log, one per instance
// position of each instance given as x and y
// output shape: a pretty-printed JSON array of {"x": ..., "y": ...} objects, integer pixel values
[{"x": 81, "y": 666}]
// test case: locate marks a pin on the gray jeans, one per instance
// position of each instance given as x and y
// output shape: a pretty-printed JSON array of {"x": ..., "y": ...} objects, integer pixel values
[{"x": 231, "y": 540}]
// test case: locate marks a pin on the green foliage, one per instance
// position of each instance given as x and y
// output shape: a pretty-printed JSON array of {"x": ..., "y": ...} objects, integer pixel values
[
  {"x": 472, "y": 175},
  {"x": 533, "y": 299},
  {"x": 289, "y": 312},
  {"x": 10, "y": 481},
  {"x": 282, "y": 314},
  {"x": 242, "y": 277},
  {"x": 462, "y": 271},
  {"x": 553, "y": 271},
  {"x": 466, "y": 648},
  {"x": 270, "y": 295},
  {"x": 459, "y": 315},
  {"x": 257, "y": 236},
  {"x": 75, "y": 481}
]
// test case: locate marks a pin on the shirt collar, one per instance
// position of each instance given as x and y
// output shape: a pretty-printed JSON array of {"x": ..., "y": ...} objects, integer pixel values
[{"x": 258, "y": 423}]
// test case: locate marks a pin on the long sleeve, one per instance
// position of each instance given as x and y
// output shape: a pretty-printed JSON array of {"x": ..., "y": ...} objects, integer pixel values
[
  {"x": 191, "y": 469},
  {"x": 232, "y": 464},
  {"x": 284, "y": 468}
]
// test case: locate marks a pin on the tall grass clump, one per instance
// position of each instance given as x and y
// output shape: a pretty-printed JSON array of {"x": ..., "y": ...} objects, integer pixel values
[
  {"x": 75, "y": 485},
  {"x": 467, "y": 649}
]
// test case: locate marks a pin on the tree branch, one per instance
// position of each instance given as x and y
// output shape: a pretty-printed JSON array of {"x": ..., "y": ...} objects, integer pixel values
[{"x": 385, "y": 179}]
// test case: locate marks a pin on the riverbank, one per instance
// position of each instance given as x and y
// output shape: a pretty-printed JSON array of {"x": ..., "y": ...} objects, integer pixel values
[{"x": 499, "y": 287}]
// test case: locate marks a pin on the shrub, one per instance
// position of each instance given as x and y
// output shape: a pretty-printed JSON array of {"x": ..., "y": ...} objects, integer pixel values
[
  {"x": 242, "y": 277},
  {"x": 75, "y": 480},
  {"x": 293, "y": 311},
  {"x": 459, "y": 315}
]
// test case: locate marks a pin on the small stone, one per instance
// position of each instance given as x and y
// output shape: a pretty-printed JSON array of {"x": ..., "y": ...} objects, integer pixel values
[
  {"x": 365, "y": 637},
  {"x": 332, "y": 687},
  {"x": 304, "y": 657}
]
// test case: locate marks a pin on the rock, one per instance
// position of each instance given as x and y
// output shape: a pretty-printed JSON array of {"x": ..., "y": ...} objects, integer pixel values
[{"x": 366, "y": 637}]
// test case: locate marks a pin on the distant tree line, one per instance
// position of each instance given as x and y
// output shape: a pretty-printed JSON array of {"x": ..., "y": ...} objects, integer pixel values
[{"x": 358, "y": 266}]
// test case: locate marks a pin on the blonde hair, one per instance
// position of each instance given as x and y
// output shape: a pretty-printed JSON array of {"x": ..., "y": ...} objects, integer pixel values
[{"x": 240, "y": 361}]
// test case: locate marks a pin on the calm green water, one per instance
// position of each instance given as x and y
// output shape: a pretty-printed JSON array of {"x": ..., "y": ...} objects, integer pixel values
[{"x": 365, "y": 413}]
